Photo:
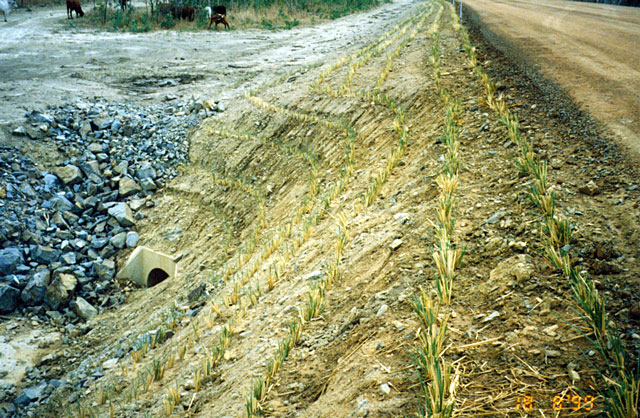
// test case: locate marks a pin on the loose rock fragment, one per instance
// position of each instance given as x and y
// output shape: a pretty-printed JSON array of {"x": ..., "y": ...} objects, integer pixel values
[{"x": 590, "y": 189}]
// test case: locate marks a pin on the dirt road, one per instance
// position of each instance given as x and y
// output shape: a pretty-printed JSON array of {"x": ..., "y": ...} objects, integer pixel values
[
  {"x": 45, "y": 59},
  {"x": 590, "y": 49}
]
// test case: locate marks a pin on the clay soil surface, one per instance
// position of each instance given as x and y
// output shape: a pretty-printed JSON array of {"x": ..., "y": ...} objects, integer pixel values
[
  {"x": 256, "y": 220},
  {"x": 591, "y": 50}
]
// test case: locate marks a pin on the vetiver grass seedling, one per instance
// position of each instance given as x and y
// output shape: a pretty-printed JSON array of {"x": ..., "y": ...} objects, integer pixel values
[
  {"x": 182, "y": 349},
  {"x": 158, "y": 369},
  {"x": 435, "y": 373},
  {"x": 197, "y": 380}
]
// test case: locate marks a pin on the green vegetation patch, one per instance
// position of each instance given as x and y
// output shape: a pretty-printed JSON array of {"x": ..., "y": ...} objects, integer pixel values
[{"x": 263, "y": 14}]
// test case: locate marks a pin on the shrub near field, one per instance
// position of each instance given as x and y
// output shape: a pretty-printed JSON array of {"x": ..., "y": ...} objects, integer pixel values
[{"x": 267, "y": 14}]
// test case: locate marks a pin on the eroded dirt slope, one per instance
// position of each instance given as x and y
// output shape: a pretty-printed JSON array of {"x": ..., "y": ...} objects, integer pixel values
[{"x": 258, "y": 216}]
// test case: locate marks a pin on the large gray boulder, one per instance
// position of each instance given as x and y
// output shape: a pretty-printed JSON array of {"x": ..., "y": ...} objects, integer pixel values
[
  {"x": 84, "y": 309},
  {"x": 10, "y": 258},
  {"x": 45, "y": 255},
  {"x": 31, "y": 394},
  {"x": 118, "y": 240},
  {"x": 132, "y": 239},
  {"x": 50, "y": 181},
  {"x": 105, "y": 269},
  {"x": 122, "y": 214},
  {"x": 69, "y": 174},
  {"x": 128, "y": 186},
  {"x": 60, "y": 202},
  {"x": 146, "y": 171},
  {"x": 36, "y": 288},
  {"x": 60, "y": 290},
  {"x": 9, "y": 297},
  {"x": 148, "y": 185}
]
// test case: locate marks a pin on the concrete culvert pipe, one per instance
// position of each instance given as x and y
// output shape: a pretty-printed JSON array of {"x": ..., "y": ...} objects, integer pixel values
[
  {"x": 147, "y": 267},
  {"x": 156, "y": 276}
]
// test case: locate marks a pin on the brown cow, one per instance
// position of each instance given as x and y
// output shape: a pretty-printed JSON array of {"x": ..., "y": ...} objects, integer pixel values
[
  {"x": 183, "y": 12},
  {"x": 219, "y": 16},
  {"x": 188, "y": 12},
  {"x": 74, "y": 6}
]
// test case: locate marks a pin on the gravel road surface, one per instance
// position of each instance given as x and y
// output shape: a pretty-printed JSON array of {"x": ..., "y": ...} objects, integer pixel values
[{"x": 589, "y": 49}]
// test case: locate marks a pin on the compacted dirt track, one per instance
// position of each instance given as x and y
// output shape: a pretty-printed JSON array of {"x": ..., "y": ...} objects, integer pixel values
[
  {"x": 589, "y": 49},
  {"x": 46, "y": 59}
]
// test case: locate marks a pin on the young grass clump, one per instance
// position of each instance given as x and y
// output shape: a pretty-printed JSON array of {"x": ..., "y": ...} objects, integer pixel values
[{"x": 437, "y": 379}]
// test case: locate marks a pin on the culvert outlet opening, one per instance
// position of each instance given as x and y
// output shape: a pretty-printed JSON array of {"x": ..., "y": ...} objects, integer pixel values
[
  {"x": 156, "y": 276},
  {"x": 147, "y": 267}
]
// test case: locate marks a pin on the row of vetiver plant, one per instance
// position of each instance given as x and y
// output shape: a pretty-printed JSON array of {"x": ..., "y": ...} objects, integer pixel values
[
  {"x": 315, "y": 296},
  {"x": 438, "y": 379},
  {"x": 621, "y": 383},
  {"x": 195, "y": 199},
  {"x": 367, "y": 52},
  {"x": 344, "y": 90}
]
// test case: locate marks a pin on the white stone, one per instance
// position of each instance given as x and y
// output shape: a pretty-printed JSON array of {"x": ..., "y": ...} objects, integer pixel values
[
  {"x": 395, "y": 244},
  {"x": 110, "y": 364},
  {"x": 385, "y": 389},
  {"x": 84, "y": 309}
]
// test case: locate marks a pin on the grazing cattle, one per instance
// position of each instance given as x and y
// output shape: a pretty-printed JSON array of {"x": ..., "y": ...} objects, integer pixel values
[
  {"x": 74, "y": 6},
  {"x": 186, "y": 12},
  {"x": 189, "y": 12},
  {"x": 219, "y": 16},
  {"x": 123, "y": 5},
  {"x": 165, "y": 8},
  {"x": 183, "y": 12},
  {"x": 5, "y": 7},
  {"x": 207, "y": 12}
]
